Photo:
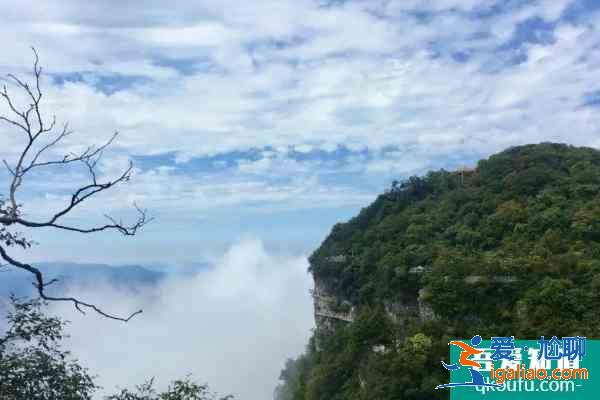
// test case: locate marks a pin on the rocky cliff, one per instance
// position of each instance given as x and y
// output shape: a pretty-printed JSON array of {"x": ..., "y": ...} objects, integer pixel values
[{"x": 510, "y": 247}]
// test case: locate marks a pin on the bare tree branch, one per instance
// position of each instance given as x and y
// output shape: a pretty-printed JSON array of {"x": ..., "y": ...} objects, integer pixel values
[
  {"x": 30, "y": 120},
  {"x": 127, "y": 230}
]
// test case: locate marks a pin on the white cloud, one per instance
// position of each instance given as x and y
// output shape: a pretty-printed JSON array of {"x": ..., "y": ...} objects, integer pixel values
[
  {"x": 232, "y": 326},
  {"x": 225, "y": 78}
]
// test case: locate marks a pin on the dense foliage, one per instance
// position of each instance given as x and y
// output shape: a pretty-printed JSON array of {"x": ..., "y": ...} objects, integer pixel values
[
  {"x": 181, "y": 389},
  {"x": 34, "y": 366},
  {"x": 509, "y": 248}
]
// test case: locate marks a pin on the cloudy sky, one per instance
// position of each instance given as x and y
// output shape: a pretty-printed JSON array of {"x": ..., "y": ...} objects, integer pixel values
[
  {"x": 268, "y": 121},
  {"x": 278, "y": 118}
]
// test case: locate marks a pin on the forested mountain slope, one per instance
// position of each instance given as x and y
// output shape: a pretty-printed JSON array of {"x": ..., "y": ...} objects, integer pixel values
[{"x": 511, "y": 247}]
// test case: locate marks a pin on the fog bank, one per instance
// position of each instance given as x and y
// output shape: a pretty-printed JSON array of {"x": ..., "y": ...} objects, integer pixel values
[{"x": 231, "y": 326}]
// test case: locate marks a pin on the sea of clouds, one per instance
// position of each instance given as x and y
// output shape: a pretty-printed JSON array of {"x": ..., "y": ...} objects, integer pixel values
[{"x": 232, "y": 325}]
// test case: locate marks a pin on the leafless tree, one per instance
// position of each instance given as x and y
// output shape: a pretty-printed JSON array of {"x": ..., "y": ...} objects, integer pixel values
[{"x": 40, "y": 136}]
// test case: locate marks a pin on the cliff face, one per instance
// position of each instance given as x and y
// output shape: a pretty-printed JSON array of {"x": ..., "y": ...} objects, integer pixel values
[
  {"x": 511, "y": 247},
  {"x": 331, "y": 311}
]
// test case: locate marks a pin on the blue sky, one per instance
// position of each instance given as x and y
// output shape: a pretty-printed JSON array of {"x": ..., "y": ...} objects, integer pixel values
[{"x": 276, "y": 119}]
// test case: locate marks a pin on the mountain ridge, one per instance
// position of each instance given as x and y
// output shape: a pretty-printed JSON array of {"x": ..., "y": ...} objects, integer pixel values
[
  {"x": 128, "y": 277},
  {"x": 511, "y": 247}
]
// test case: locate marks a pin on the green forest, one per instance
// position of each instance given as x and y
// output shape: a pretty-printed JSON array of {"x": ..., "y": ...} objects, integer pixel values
[
  {"x": 509, "y": 247},
  {"x": 34, "y": 365}
]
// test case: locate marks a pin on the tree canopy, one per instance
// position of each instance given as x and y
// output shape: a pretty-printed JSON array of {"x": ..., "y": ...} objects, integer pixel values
[
  {"x": 35, "y": 366},
  {"x": 511, "y": 247}
]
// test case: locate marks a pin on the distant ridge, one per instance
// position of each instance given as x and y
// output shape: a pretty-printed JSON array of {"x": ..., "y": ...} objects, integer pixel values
[{"x": 122, "y": 277}]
